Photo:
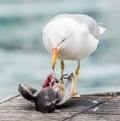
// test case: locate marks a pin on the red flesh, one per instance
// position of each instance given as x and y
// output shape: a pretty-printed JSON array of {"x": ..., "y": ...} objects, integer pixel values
[{"x": 48, "y": 81}]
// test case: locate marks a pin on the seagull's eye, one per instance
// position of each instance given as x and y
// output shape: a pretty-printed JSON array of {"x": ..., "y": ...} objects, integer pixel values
[
  {"x": 63, "y": 40},
  {"x": 49, "y": 40}
]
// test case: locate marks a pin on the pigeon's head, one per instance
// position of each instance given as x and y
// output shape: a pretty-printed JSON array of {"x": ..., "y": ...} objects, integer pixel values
[{"x": 46, "y": 100}]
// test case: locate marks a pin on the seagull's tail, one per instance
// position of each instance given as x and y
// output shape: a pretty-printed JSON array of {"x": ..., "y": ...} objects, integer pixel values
[{"x": 102, "y": 29}]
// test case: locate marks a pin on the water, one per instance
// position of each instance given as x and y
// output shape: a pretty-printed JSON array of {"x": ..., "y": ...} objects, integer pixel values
[{"x": 23, "y": 58}]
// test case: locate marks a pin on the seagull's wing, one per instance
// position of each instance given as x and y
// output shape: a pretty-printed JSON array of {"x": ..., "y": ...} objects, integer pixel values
[{"x": 80, "y": 18}]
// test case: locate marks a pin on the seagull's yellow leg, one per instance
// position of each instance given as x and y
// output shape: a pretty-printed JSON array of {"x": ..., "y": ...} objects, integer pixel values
[
  {"x": 75, "y": 94},
  {"x": 61, "y": 79}
]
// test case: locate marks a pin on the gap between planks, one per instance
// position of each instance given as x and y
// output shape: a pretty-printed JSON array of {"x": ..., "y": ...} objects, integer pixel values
[
  {"x": 111, "y": 94},
  {"x": 8, "y": 98}
]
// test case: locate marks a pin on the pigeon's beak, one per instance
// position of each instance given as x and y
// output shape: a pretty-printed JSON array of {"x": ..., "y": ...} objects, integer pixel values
[{"x": 54, "y": 56}]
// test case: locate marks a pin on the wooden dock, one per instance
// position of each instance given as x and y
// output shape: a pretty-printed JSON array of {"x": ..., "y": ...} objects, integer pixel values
[{"x": 97, "y": 107}]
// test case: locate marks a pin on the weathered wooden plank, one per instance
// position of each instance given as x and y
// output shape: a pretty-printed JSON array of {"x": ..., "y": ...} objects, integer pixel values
[
  {"x": 94, "y": 117},
  {"x": 111, "y": 107},
  {"x": 102, "y": 111},
  {"x": 88, "y": 107},
  {"x": 8, "y": 98}
]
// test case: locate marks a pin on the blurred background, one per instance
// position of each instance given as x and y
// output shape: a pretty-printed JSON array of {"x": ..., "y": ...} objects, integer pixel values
[{"x": 23, "y": 58}]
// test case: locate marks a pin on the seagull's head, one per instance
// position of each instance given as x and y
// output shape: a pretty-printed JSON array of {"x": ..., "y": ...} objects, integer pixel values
[
  {"x": 56, "y": 50},
  {"x": 56, "y": 36}
]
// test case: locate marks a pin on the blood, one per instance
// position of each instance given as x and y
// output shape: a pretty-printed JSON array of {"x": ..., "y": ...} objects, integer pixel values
[{"x": 49, "y": 81}]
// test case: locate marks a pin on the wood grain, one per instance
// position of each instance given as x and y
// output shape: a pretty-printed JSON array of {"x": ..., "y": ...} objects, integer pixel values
[{"x": 95, "y": 107}]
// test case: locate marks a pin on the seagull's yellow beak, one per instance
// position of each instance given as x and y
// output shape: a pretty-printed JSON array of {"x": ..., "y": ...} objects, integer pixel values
[{"x": 54, "y": 56}]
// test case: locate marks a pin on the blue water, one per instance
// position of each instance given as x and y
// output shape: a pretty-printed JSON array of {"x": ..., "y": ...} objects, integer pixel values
[{"x": 23, "y": 58}]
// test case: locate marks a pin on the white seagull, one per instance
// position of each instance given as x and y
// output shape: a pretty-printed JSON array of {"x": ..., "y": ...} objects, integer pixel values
[{"x": 71, "y": 37}]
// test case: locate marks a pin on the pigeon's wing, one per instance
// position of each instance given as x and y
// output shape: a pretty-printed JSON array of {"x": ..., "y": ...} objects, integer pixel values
[
  {"x": 68, "y": 91},
  {"x": 27, "y": 92}
]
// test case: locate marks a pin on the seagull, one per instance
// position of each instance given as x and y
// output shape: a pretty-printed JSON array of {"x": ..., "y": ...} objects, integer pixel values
[{"x": 71, "y": 37}]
